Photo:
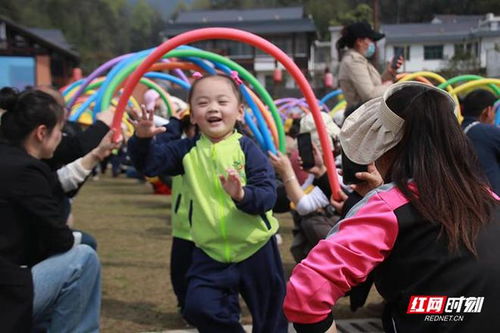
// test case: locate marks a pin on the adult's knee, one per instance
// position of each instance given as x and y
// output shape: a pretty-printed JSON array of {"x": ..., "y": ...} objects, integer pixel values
[{"x": 87, "y": 258}]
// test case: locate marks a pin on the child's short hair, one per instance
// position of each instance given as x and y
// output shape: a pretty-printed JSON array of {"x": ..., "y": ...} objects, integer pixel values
[
  {"x": 234, "y": 85},
  {"x": 475, "y": 102}
]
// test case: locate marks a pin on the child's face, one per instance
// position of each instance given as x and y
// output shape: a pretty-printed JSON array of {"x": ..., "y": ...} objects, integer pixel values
[{"x": 215, "y": 108}]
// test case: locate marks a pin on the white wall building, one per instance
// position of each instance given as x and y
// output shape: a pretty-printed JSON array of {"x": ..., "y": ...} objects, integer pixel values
[{"x": 430, "y": 46}]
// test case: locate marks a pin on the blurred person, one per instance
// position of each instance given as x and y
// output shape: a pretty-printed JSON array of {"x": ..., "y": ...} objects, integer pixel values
[
  {"x": 311, "y": 211},
  {"x": 153, "y": 102}
]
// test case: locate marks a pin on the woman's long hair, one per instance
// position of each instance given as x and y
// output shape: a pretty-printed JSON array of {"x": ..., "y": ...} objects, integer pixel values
[{"x": 437, "y": 157}]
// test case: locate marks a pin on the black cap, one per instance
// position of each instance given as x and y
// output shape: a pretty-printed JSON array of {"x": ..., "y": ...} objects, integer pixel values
[{"x": 363, "y": 30}]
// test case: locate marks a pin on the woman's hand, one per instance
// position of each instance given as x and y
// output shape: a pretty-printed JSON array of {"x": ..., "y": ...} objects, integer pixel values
[
  {"x": 393, "y": 70},
  {"x": 106, "y": 146},
  {"x": 100, "y": 152},
  {"x": 144, "y": 124},
  {"x": 339, "y": 205},
  {"x": 371, "y": 180},
  {"x": 281, "y": 164},
  {"x": 232, "y": 185},
  {"x": 319, "y": 167}
]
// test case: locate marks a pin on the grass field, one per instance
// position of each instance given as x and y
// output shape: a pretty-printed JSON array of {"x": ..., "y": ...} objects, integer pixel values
[{"x": 132, "y": 229}]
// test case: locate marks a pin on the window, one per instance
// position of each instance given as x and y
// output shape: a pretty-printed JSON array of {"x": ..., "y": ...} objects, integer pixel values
[
  {"x": 239, "y": 49},
  {"x": 300, "y": 45},
  {"x": 405, "y": 51},
  {"x": 17, "y": 72},
  {"x": 284, "y": 43},
  {"x": 20, "y": 42},
  {"x": 459, "y": 49},
  {"x": 467, "y": 49},
  {"x": 433, "y": 52}
]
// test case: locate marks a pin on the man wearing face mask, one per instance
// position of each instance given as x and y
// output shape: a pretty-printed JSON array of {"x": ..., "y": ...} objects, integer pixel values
[{"x": 358, "y": 79}]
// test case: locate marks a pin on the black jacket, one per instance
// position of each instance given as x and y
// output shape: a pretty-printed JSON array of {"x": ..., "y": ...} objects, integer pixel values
[{"x": 32, "y": 228}]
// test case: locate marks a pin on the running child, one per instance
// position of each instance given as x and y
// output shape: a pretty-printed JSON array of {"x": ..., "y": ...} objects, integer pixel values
[{"x": 231, "y": 189}]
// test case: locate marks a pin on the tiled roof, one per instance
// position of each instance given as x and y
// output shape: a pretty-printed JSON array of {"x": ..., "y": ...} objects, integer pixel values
[
  {"x": 258, "y": 27},
  {"x": 51, "y": 38},
  {"x": 236, "y": 15}
]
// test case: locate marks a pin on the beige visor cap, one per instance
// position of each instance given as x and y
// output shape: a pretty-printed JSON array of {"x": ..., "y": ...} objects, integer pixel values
[{"x": 374, "y": 128}]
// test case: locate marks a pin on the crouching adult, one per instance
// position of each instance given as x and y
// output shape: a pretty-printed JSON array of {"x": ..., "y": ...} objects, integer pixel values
[{"x": 47, "y": 280}]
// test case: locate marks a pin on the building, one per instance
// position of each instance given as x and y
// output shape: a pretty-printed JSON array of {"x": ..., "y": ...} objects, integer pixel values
[
  {"x": 430, "y": 46},
  {"x": 288, "y": 28},
  {"x": 30, "y": 56}
]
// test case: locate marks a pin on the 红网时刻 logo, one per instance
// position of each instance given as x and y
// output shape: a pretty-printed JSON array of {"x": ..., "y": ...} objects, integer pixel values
[{"x": 444, "y": 308}]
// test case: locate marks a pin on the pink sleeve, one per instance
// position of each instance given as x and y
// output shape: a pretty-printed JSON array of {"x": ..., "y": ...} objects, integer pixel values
[
  {"x": 494, "y": 195},
  {"x": 342, "y": 261}
]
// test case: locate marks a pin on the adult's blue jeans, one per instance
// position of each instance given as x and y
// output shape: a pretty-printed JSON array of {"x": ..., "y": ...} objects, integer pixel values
[{"x": 67, "y": 292}]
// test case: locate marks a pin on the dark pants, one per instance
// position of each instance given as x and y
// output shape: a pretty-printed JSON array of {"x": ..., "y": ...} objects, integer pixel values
[
  {"x": 308, "y": 230},
  {"x": 180, "y": 261},
  {"x": 212, "y": 297}
]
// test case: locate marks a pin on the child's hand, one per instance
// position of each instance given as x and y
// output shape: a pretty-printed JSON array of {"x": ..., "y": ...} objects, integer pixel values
[
  {"x": 232, "y": 185},
  {"x": 144, "y": 124}
]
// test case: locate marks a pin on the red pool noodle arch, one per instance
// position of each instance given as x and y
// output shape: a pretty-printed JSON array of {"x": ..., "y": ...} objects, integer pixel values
[{"x": 256, "y": 41}]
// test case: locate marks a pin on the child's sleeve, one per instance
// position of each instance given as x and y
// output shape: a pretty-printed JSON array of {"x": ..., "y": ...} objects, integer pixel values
[
  {"x": 260, "y": 189},
  {"x": 173, "y": 131},
  {"x": 153, "y": 157}
]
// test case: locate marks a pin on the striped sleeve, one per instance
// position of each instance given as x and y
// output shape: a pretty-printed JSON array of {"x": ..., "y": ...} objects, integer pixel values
[{"x": 357, "y": 245}]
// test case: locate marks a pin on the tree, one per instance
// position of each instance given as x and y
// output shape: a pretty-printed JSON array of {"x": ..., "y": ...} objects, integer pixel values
[
  {"x": 142, "y": 22},
  {"x": 362, "y": 12}
]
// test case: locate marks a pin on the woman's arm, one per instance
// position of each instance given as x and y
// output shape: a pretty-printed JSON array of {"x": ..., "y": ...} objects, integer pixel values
[
  {"x": 72, "y": 175},
  {"x": 359, "y": 243}
]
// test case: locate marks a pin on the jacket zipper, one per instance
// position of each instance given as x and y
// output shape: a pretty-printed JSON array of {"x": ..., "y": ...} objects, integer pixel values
[
  {"x": 220, "y": 205},
  {"x": 190, "y": 213}
]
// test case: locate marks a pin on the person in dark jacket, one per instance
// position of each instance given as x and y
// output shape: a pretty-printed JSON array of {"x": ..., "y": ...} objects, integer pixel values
[
  {"x": 478, "y": 125},
  {"x": 47, "y": 281},
  {"x": 427, "y": 231}
]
